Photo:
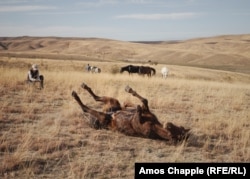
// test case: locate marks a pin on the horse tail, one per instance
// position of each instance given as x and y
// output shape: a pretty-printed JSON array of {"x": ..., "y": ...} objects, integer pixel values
[
  {"x": 140, "y": 70},
  {"x": 153, "y": 71}
]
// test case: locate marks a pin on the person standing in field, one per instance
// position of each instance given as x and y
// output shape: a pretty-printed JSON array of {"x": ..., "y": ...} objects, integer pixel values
[{"x": 34, "y": 76}]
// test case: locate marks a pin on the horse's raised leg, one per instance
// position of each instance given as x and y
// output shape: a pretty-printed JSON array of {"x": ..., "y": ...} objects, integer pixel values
[
  {"x": 111, "y": 104},
  {"x": 147, "y": 115},
  {"x": 148, "y": 125},
  {"x": 103, "y": 118},
  {"x": 149, "y": 128},
  {"x": 139, "y": 125},
  {"x": 84, "y": 86},
  {"x": 143, "y": 100}
]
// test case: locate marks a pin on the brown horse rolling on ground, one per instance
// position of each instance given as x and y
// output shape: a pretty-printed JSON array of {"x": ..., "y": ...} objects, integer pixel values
[{"x": 138, "y": 122}]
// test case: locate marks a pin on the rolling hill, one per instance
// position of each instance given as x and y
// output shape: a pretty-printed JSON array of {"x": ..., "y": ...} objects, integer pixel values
[{"x": 229, "y": 52}]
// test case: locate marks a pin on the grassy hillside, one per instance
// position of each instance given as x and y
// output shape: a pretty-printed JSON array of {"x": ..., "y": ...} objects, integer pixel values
[
  {"x": 44, "y": 133},
  {"x": 230, "y": 52}
]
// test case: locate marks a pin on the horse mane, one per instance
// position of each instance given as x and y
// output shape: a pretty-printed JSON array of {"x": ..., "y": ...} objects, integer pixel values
[{"x": 130, "y": 69}]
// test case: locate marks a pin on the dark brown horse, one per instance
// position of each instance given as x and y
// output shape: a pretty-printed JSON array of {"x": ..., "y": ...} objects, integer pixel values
[
  {"x": 138, "y": 122},
  {"x": 146, "y": 70},
  {"x": 130, "y": 69}
]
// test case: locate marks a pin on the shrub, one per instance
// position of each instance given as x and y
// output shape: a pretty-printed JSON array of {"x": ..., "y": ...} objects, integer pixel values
[{"x": 115, "y": 69}]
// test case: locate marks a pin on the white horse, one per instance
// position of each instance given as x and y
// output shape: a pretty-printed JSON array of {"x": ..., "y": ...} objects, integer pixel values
[{"x": 164, "y": 72}]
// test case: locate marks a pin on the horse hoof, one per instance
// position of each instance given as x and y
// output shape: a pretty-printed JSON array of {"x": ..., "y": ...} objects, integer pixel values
[
  {"x": 73, "y": 93},
  {"x": 84, "y": 86},
  {"x": 128, "y": 89}
]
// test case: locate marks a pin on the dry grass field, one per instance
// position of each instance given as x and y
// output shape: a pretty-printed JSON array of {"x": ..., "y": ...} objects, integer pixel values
[{"x": 44, "y": 133}]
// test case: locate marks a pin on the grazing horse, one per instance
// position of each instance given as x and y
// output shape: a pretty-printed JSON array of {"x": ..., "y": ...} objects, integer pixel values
[
  {"x": 137, "y": 122},
  {"x": 164, "y": 72},
  {"x": 93, "y": 69},
  {"x": 146, "y": 70},
  {"x": 130, "y": 69}
]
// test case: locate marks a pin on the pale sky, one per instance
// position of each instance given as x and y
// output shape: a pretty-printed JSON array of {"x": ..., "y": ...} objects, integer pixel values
[{"x": 128, "y": 20}]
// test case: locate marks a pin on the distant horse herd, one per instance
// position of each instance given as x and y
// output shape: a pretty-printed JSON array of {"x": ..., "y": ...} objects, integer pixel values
[{"x": 141, "y": 70}]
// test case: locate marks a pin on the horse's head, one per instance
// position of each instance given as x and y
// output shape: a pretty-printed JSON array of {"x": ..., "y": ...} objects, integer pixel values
[
  {"x": 178, "y": 132},
  {"x": 122, "y": 69}
]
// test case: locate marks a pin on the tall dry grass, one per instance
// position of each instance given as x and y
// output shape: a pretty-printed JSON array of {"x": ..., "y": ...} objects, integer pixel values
[{"x": 44, "y": 133}]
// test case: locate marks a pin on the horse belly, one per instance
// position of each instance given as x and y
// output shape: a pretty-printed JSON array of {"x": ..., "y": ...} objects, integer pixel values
[{"x": 122, "y": 120}]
